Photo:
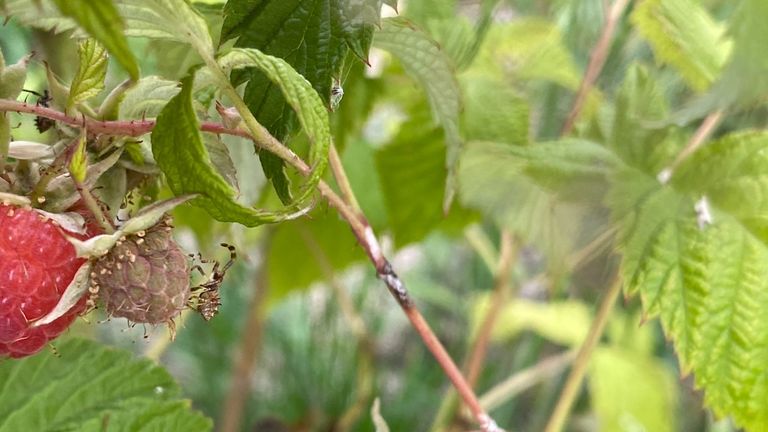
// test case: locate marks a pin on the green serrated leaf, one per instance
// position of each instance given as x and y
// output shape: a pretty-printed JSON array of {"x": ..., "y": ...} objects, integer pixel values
[
  {"x": 101, "y": 20},
  {"x": 527, "y": 49},
  {"x": 181, "y": 155},
  {"x": 682, "y": 33},
  {"x": 705, "y": 277},
  {"x": 78, "y": 164},
  {"x": 313, "y": 37},
  {"x": 422, "y": 58},
  {"x": 307, "y": 105},
  {"x": 636, "y": 132},
  {"x": 86, "y": 384},
  {"x": 91, "y": 72}
]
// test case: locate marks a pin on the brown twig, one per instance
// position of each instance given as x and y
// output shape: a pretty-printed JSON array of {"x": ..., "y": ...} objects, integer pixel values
[
  {"x": 701, "y": 135},
  {"x": 357, "y": 223},
  {"x": 579, "y": 370},
  {"x": 476, "y": 358},
  {"x": 596, "y": 62}
]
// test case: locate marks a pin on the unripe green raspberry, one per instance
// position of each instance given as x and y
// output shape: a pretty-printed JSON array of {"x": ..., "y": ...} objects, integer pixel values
[{"x": 144, "y": 277}]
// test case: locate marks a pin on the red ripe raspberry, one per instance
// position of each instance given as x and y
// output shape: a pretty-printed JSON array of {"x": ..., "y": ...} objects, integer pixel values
[{"x": 36, "y": 265}]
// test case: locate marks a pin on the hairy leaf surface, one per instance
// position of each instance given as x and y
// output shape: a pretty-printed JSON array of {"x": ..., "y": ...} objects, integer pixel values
[
  {"x": 87, "y": 383},
  {"x": 706, "y": 280},
  {"x": 91, "y": 72}
]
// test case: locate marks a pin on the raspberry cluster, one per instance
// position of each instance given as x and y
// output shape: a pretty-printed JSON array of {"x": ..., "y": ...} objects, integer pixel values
[{"x": 37, "y": 264}]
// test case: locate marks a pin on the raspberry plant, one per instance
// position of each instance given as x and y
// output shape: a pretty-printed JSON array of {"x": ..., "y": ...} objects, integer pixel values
[{"x": 628, "y": 135}]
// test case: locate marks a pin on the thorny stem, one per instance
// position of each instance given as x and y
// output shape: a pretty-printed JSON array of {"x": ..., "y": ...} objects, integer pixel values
[
  {"x": 133, "y": 128},
  {"x": 357, "y": 221},
  {"x": 576, "y": 376},
  {"x": 596, "y": 62},
  {"x": 701, "y": 135}
]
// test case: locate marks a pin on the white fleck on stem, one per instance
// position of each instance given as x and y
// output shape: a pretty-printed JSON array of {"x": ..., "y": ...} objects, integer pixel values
[{"x": 374, "y": 247}]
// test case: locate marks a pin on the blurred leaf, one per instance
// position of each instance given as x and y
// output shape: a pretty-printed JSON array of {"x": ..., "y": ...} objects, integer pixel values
[
  {"x": 147, "y": 98},
  {"x": 494, "y": 112},
  {"x": 633, "y": 128},
  {"x": 298, "y": 242},
  {"x": 527, "y": 49},
  {"x": 542, "y": 192},
  {"x": 422, "y": 58},
  {"x": 565, "y": 322},
  {"x": 101, "y": 20},
  {"x": 91, "y": 72},
  {"x": 313, "y": 38},
  {"x": 744, "y": 81},
  {"x": 706, "y": 281},
  {"x": 631, "y": 392},
  {"x": 413, "y": 177},
  {"x": 682, "y": 33},
  {"x": 89, "y": 386}
]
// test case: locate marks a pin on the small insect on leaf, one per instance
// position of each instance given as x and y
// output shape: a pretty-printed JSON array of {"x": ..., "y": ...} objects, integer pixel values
[
  {"x": 205, "y": 297},
  {"x": 337, "y": 93}
]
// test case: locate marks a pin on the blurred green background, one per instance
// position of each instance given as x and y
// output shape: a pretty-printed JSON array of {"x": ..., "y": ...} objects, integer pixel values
[{"x": 307, "y": 336}]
